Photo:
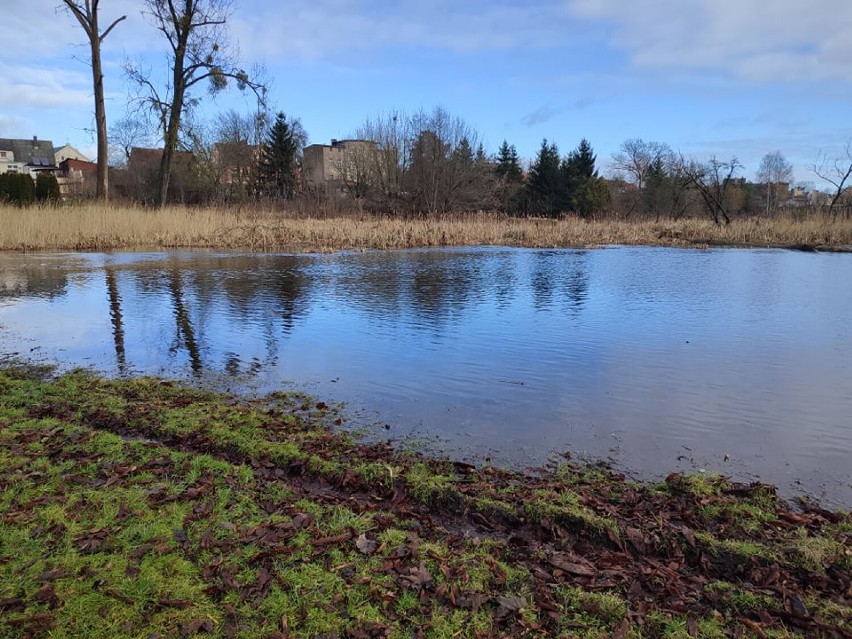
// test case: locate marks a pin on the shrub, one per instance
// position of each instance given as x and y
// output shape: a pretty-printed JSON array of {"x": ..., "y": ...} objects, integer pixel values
[
  {"x": 17, "y": 188},
  {"x": 47, "y": 188}
]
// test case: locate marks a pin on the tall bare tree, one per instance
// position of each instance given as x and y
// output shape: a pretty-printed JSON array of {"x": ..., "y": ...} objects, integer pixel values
[
  {"x": 86, "y": 12},
  {"x": 386, "y": 168},
  {"x": 837, "y": 173},
  {"x": 637, "y": 160},
  {"x": 198, "y": 52},
  {"x": 774, "y": 171},
  {"x": 714, "y": 180}
]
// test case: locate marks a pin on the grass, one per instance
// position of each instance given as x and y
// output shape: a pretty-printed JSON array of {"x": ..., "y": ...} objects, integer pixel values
[
  {"x": 140, "y": 508},
  {"x": 93, "y": 226}
]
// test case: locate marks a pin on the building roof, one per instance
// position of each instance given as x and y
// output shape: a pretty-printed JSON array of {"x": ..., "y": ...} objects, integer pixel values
[
  {"x": 67, "y": 151},
  {"x": 33, "y": 152}
]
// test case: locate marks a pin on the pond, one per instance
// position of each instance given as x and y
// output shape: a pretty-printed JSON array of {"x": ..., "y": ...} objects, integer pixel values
[{"x": 654, "y": 359}]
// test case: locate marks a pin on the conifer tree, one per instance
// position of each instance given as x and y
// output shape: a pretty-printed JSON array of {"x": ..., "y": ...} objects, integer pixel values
[
  {"x": 545, "y": 187},
  {"x": 278, "y": 159},
  {"x": 508, "y": 167},
  {"x": 47, "y": 188},
  {"x": 584, "y": 192}
]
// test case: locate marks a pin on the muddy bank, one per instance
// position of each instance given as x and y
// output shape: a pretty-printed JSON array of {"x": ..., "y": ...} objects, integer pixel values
[{"x": 143, "y": 508}]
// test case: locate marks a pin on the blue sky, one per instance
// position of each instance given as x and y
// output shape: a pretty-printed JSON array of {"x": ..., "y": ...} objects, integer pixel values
[{"x": 730, "y": 77}]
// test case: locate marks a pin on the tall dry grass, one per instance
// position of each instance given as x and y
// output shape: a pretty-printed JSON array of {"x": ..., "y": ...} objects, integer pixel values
[{"x": 95, "y": 226}]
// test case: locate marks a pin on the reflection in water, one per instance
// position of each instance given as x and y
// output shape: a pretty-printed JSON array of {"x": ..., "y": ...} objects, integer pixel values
[
  {"x": 183, "y": 323},
  {"x": 659, "y": 359},
  {"x": 115, "y": 317},
  {"x": 24, "y": 276}
]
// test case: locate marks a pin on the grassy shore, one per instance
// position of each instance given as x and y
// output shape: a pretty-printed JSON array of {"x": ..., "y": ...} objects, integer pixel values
[
  {"x": 141, "y": 508},
  {"x": 111, "y": 227}
]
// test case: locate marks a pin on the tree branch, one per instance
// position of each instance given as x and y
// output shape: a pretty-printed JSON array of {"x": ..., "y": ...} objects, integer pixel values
[{"x": 111, "y": 27}]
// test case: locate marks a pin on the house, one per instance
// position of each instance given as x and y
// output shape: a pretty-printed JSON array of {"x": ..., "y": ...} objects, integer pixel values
[
  {"x": 77, "y": 177},
  {"x": 235, "y": 162},
  {"x": 27, "y": 156},
  {"x": 68, "y": 152},
  {"x": 344, "y": 165}
]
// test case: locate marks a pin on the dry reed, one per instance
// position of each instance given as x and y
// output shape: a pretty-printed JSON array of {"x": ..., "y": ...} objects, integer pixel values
[{"x": 94, "y": 226}]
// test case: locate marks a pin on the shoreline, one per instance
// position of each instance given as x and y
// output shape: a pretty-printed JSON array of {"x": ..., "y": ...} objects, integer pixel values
[
  {"x": 95, "y": 227},
  {"x": 277, "y": 523}
]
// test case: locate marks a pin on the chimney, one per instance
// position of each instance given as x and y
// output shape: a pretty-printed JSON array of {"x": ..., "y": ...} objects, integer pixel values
[{"x": 35, "y": 141}]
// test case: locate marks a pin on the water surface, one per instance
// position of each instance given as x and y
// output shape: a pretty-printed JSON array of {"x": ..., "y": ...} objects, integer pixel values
[{"x": 657, "y": 359}]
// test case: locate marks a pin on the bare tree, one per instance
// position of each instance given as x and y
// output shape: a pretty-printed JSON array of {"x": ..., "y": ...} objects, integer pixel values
[
  {"x": 125, "y": 134},
  {"x": 657, "y": 180},
  {"x": 774, "y": 171},
  {"x": 679, "y": 183},
  {"x": 356, "y": 162},
  {"x": 442, "y": 159},
  {"x": 387, "y": 167},
  {"x": 195, "y": 31},
  {"x": 836, "y": 172},
  {"x": 714, "y": 180},
  {"x": 636, "y": 158},
  {"x": 86, "y": 12}
]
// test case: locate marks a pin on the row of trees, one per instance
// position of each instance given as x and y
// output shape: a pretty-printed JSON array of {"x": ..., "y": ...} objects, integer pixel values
[
  {"x": 654, "y": 180},
  {"x": 425, "y": 162},
  {"x": 198, "y": 55}
]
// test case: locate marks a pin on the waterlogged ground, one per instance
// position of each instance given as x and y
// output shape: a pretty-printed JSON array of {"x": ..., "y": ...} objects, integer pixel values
[
  {"x": 729, "y": 361},
  {"x": 140, "y": 508}
]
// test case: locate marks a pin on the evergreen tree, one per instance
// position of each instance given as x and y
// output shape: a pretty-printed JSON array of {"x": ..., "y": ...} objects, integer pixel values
[
  {"x": 47, "y": 188},
  {"x": 508, "y": 168},
  {"x": 584, "y": 192},
  {"x": 655, "y": 188},
  {"x": 278, "y": 159},
  {"x": 545, "y": 188},
  {"x": 17, "y": 188},
  {"x": 582, "y": 160}
]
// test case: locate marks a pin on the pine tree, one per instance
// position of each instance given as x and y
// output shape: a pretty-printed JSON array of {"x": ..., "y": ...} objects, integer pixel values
[
  {"x": 545, "y": 187},
  {"x": 508, "y": 168},
  {"x": 584, "y": 192},
  {"x": 278, "y": 160}
]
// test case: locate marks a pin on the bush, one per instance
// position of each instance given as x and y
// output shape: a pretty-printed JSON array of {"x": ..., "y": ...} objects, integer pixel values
[
  {"x": 47, "y": 188},
  {"x": 18, "y": 188}
]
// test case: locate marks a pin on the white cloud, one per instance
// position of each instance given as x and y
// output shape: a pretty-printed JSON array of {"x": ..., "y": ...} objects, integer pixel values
[
  {"x": 43, "y": 29},
  {"x": 28, "y": 87},
  {"x": 751, "y": 39},
  {"x": 329, "y": 28}
]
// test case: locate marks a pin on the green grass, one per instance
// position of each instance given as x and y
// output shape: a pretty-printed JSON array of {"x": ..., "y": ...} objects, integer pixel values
[{"x": 140, "y": 508}]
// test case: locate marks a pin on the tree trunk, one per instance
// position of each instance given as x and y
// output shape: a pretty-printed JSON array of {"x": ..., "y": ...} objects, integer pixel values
[
  {"x": 102, "y": 189},
  {"x": 87, "y": 16},
  {"x": 170, "y": 138}
]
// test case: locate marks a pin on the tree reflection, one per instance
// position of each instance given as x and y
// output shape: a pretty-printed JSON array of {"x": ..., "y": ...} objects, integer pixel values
[
  {"x": 185, "y": 332},
  {"x": 116, "y": 319}
]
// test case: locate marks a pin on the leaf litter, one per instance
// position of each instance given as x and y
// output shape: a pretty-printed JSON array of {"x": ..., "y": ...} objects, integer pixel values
[{"x": 142, "y": 508}]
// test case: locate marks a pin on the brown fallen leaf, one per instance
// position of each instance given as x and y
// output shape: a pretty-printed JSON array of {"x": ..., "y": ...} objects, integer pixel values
[
  {"x": 418, "y": 578},
  {"x": 622, "y": 631},
  {"x": 180, "y": 604},
  {"x": 754, "y": 627},
  {"x": 364, "y": 545},
  {"x": 795, "y": 606},
  {"x": 508, "y": 606},
  {"x": 141, "y": 551},
  {"x": 574, "y": 565}
]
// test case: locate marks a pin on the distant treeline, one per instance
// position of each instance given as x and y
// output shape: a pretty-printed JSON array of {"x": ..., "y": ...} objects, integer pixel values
[{"x": 435, "y": 163}]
